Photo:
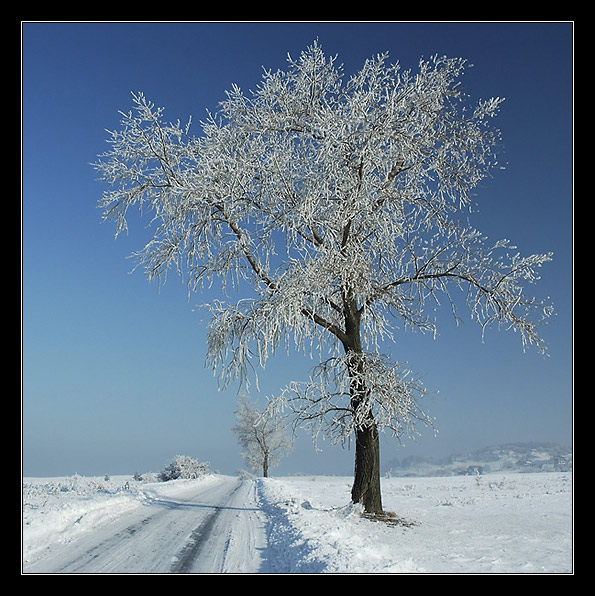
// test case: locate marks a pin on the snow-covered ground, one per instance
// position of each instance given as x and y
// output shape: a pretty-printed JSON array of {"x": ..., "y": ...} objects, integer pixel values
[
  {"x": 495, "y": 523},
  {"x": 500, "y": 523}
]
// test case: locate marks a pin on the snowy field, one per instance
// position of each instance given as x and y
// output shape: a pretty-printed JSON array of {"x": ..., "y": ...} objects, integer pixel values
[{"x": 496, "y": 523}]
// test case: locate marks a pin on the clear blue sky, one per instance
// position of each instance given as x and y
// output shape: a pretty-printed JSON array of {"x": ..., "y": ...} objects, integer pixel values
[{"x": 113, "y": 376}]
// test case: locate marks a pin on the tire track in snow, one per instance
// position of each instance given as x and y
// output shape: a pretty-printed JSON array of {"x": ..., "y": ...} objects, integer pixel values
[
  {"x": 200, "y": 537},
  {"x": 81, "y": 562}
]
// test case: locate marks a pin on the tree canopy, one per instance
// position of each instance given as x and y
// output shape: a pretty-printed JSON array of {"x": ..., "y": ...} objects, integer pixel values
[{"x": 338, "y": 206}]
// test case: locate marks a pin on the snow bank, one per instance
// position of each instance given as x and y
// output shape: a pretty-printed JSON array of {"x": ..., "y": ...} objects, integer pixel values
[
  {"x": 517, "y": 523},
  {"x": 57, "y": 510}
]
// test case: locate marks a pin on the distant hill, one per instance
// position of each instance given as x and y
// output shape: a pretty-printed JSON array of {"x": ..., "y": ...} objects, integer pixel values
[{"x": 511, "y": 457}]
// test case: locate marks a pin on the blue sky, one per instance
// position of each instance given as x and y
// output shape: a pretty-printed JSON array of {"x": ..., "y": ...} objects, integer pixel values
[{"x": 113, "y": 375}]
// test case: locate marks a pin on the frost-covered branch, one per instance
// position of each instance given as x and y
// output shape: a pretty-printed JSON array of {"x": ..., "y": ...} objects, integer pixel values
[
  {"x": 325, "y": 403},
  {"x": 492, "y": 279}
]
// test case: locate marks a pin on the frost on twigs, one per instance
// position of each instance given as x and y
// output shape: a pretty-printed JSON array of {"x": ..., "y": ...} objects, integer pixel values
[
  {"x": 334, "y": 210},
  {"x": 389, "y": 395}
]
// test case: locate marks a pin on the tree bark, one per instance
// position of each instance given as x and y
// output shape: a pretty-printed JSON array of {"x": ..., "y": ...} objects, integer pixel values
[{"x": 366, "y": 482}]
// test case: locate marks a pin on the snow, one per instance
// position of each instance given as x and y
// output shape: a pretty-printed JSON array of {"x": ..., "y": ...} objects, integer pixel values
[
  {"x": 515, "y": 523},
  {"x": 495, "y": 523}
]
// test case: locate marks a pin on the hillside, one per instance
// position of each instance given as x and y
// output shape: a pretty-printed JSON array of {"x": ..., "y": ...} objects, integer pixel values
[{"x": 512, "y": 457}]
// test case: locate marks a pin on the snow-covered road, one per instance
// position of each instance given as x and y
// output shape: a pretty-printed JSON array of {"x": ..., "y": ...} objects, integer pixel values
[{"x": 209, "y": 527}]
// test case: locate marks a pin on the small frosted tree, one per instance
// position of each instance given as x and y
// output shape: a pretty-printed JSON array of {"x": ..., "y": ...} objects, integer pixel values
[
  {"x": 262, "y": 435},
  {"x": 338, "y": 207}
]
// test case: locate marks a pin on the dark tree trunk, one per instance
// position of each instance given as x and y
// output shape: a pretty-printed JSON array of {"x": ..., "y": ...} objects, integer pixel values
[{"x": 366, "y": 481}]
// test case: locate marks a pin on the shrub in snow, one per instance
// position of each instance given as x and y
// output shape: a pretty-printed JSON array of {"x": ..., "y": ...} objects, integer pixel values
[{"x": 183, "y": 466}]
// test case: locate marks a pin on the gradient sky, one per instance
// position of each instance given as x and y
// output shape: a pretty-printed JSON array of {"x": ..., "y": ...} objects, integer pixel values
[{"x": 113, "y": 375}]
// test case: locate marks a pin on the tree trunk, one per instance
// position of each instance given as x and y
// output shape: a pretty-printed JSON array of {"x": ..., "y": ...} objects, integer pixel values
[{"x": 366, "y": 481}]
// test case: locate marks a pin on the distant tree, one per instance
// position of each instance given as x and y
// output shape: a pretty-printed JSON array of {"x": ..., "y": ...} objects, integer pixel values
[
  {"x": 341, "y": 204},
  {"x": 262, "y": 436}
]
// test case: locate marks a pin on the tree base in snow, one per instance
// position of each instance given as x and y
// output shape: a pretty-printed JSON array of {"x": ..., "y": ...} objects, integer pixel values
[{"x": 390, "y": 518}]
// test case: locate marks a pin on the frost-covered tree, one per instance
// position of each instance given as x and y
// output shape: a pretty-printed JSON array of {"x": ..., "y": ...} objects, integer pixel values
[
  {"x": 337, "y": 206},
  {"x": 262, "y": 435}
]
